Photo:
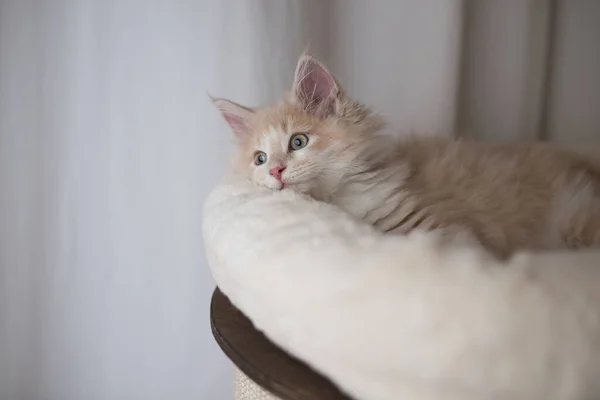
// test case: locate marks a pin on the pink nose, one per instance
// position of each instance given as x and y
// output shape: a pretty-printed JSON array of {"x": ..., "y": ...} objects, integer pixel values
[{"x": 276, "y": 172}]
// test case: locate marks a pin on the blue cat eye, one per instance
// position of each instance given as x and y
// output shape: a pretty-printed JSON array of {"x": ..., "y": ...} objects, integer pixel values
[
  {"x": 298, "y": 141},
  {"x": 260, "y": 158}
]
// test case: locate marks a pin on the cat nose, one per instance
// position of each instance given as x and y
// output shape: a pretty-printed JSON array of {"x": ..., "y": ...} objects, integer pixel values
[{"x": 276, "y": 172}]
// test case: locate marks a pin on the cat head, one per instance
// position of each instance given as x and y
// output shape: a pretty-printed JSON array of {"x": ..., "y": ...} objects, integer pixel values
[{"x": 310, "y": 140}]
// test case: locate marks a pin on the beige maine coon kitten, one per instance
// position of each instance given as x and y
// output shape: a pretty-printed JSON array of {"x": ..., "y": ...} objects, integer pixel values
[{"x": 318, "y": 141}]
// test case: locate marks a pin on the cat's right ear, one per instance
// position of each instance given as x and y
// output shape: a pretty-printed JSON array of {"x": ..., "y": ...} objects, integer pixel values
[
  {"x": 315, "y": 88},
  {"x": 237, "y": 116}
]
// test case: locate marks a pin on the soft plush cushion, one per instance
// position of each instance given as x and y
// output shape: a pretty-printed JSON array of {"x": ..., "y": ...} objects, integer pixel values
[{"x": 403, "y": 317}]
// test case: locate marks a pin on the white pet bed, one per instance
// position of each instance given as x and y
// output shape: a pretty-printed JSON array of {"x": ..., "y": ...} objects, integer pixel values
[{"x": 401, "y": 317}]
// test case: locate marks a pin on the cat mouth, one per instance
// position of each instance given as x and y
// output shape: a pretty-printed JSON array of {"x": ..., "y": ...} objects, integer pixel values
[
  {"x": 280, "y": 185},
  {"x": 286, "y": 184}
]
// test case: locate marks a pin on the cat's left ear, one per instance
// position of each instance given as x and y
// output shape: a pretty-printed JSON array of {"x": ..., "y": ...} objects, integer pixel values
[
  {"x": 315, "y": 88},
  {"x": 237, "y": 116}
]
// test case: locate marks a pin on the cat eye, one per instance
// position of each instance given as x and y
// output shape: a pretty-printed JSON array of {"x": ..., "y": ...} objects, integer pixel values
[
  {"x": 298, "y": 141},
  {"x": 260, "y": 158}
]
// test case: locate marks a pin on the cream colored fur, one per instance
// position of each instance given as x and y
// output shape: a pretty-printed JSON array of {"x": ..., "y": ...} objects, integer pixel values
[
  {"x": 503, "y": 196},
  {"x": 402, "y": 317}
]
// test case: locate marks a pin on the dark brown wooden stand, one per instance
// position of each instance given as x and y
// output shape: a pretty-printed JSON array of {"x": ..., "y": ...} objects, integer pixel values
[{"x": 262, "y": 361}]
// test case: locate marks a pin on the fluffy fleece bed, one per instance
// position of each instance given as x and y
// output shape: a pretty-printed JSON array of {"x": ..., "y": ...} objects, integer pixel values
[{"x": 403, "y": 317}]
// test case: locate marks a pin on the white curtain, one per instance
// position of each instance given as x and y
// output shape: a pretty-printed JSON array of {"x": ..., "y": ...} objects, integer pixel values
[{"x": 109, "y": 145}]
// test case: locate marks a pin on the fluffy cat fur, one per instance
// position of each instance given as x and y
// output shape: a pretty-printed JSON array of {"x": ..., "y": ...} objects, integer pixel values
[{"x": 504, "y": 196}]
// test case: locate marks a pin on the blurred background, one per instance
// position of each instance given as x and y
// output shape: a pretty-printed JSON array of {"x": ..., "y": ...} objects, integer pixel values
[{"x": 109, "y": 145}]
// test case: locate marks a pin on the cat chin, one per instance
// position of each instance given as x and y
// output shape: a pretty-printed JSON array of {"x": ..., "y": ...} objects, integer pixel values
[
  {"x": 289, "y": 186},
  {"x": 301, "y": 187},
  {"x": 274, "y": 185}
]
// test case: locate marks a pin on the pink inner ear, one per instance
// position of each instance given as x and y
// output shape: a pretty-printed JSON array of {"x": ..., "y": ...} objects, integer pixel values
[
  {"x": 315, "y": 86},
  {"x": 237, "y": 123},
  {"x": 316, "y": 82}
]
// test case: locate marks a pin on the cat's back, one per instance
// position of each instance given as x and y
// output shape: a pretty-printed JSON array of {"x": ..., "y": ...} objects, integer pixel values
[
  {"x": 442, "y": 158},
  {"x": 510, "y": 194},
  {"x": 441, "y": 162}
]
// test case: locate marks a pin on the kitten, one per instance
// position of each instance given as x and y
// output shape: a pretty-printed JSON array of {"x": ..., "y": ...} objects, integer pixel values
[{"x": 319, "y": 141}]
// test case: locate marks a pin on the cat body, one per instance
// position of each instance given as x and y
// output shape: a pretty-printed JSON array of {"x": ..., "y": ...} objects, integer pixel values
[
  {"x": 318, "y": 141},
  {"x": 507, "y": 196}
]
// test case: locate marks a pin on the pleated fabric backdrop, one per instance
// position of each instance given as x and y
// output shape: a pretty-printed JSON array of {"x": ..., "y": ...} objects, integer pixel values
[{"x": 109, "y": 145}]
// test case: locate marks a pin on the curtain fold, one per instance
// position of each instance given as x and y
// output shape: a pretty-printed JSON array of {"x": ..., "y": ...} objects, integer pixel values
[
  {"x": 402, "y": 58},
  {"x": 109, "y": 144}
]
